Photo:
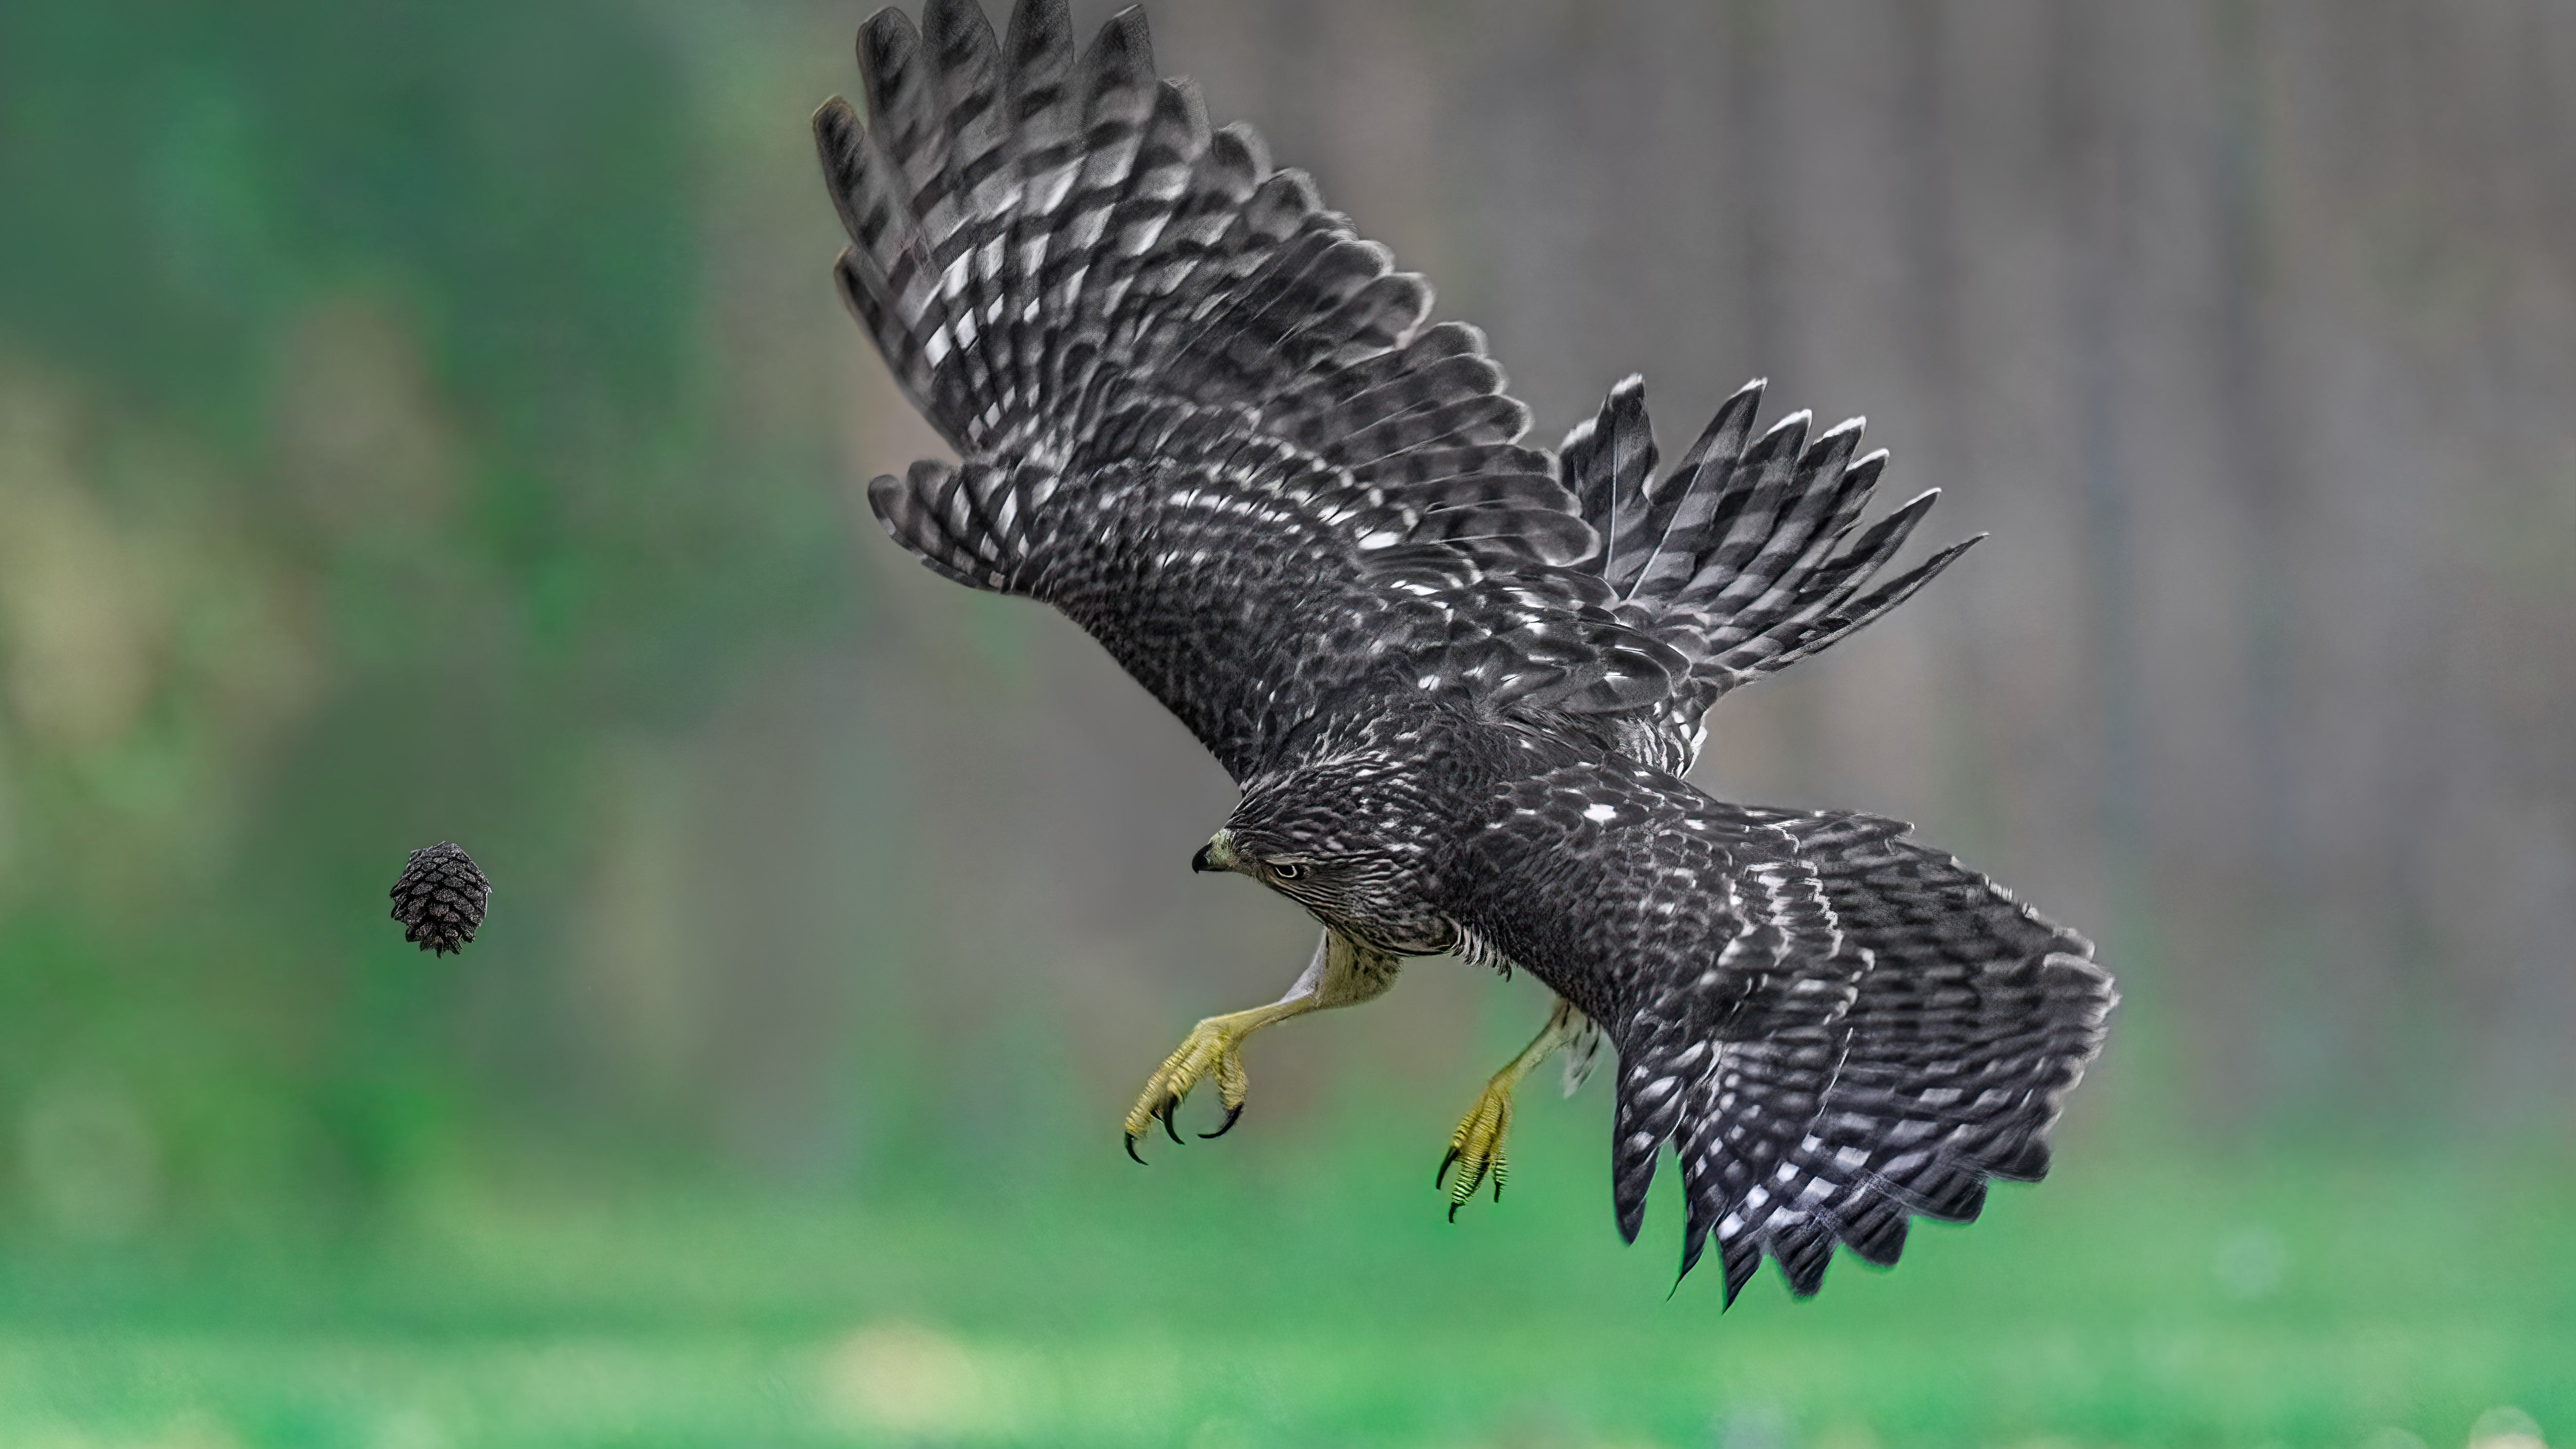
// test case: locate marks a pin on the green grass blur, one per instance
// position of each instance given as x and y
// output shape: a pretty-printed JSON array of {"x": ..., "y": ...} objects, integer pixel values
[{"x": 1314, "y": 1294}]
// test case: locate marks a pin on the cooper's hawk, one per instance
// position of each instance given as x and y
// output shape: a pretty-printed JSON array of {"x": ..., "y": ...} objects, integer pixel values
[{"x": 1456, "y": 678}]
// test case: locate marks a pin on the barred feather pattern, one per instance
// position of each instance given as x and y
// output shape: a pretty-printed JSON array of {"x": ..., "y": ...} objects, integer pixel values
[
  {"x": 1103, "y": 304},
  {"x": 1686, "y": 557},
  {"x": 1972, "y": 1022},
  {"x": 1041, "y": 244},
  {"x": 1832, "y": 1025},
  {"x": 1457, "y": 677},
  {"x": 1746, "y": 558}
]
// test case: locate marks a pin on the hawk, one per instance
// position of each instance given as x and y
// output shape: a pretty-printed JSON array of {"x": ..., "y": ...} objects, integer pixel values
[{"x": 1457, "y": 679}]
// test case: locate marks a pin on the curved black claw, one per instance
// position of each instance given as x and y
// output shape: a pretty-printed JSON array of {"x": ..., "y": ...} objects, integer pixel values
[
  {"x": 1131, "y": 1149},
  {"x": 1441, "y": 1178},
  {"x": 1233, "y": 1114},
  {"x": 1453, "y": 1211},
  {"x": 1172, "y": 1109}
]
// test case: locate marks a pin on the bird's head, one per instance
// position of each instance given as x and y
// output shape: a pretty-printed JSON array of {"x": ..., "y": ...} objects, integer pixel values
[{"x": 1351, "y": 842}]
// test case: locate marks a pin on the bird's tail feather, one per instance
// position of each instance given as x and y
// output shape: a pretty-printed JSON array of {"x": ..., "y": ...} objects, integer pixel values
[{"x": 1972, "y": 1020}]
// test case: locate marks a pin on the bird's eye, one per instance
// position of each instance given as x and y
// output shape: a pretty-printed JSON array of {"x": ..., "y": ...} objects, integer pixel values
[{"x": 1287, "y": 869}]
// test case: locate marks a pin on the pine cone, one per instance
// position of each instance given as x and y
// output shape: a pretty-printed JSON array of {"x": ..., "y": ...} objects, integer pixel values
[{"x": 440, "y": 897}]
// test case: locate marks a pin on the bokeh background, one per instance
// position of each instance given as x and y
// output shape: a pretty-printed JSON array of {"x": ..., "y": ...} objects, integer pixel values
[{"x": 430, "y": 419}]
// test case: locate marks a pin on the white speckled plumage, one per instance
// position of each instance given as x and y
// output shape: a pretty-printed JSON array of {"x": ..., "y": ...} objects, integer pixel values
[{"x": 1456, "y": 677}]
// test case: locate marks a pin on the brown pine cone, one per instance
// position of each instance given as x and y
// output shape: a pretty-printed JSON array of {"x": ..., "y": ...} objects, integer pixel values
[{"x": 440, "y": 897}]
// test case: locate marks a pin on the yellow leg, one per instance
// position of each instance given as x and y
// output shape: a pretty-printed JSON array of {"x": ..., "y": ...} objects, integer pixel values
[
  {"x": 1476, "y": 1148},
  {"x": 1343, "y": 973}
]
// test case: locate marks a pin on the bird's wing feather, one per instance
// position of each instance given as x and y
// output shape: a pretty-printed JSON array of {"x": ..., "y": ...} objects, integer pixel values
[
  {"x": 1746, "y": 558},
  {"x": 1106, "y": 308},
  {"x": 1834, "y": 1026}
]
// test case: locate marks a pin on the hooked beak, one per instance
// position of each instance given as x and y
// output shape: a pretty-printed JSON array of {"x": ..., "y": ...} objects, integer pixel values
[{"x": 1217, "y": 855}]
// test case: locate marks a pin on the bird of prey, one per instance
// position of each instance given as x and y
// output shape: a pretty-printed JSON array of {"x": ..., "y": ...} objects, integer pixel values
[{"x": 1456, "y": 678}]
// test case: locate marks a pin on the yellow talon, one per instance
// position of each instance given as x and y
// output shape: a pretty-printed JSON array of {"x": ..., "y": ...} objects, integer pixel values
[
  {"x": 1476, "y": 1148},
  {"x": 1342, "y": 972},
  {"x": 1214, "y": 1045}
]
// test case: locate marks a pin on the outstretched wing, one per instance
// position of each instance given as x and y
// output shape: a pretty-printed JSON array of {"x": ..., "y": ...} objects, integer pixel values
[
  {"x": 1747, "y": 557},
  {"x": 1195, "y": 410},
  {"x": 1834, "y": 1026},
  {"x": 1742, "y": 560}
]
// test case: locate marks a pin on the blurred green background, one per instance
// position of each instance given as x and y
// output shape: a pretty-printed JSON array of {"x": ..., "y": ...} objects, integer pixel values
[{"x": 433, "y": 421}]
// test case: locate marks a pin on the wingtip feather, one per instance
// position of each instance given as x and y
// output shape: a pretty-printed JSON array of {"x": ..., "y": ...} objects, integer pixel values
[
  {"x": 948, "y": 23},
  {"x": 886, "y": 44},
  {"x": 1041, "y": 31},
  {"x": 1124, "y": 48}
]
